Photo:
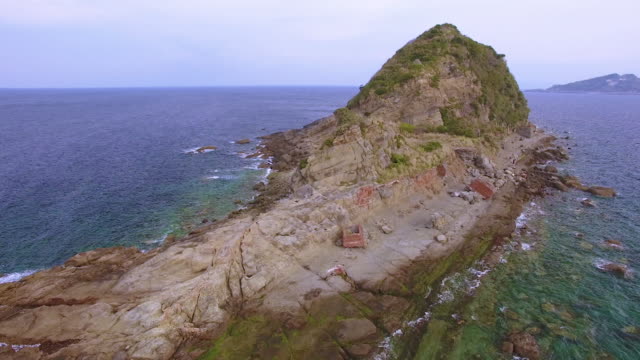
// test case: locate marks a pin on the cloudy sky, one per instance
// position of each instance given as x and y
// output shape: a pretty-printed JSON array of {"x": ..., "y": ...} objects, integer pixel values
[{"x": 119, "y": 43}]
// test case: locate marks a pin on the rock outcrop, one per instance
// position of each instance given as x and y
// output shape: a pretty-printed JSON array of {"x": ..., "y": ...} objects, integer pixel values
[{"x": 236, "y": 288}]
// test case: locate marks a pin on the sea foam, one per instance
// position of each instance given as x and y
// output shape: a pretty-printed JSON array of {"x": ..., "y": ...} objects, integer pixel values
[{"x": 13, "y": 277}]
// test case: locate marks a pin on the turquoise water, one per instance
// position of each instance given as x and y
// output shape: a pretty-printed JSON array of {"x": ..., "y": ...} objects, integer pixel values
[
  {"x": 82, "y": 169},
  {"x": 548, "y": 284}
]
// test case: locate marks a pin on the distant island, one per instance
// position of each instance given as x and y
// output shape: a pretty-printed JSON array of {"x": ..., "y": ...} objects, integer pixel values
[{"x": 612, "y": 83}]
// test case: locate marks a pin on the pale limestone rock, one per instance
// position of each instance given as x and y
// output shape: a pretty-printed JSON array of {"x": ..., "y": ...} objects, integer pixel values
[
  {"x": 386, "y": 229},
  {"x": 356, "y": 329}
]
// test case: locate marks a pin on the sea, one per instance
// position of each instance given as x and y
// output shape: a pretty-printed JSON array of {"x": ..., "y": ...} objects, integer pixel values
[{"x": 90, "y": 168}]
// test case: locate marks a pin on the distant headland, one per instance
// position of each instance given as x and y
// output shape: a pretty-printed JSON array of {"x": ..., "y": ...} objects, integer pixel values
[{"x": 612, "y": 83}]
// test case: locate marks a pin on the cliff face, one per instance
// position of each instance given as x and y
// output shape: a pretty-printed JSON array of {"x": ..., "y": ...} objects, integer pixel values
[
  {"x": 439, "y": 91},
  {"x": 270, "y": 282},
  {"x": 612, "y": 83}
]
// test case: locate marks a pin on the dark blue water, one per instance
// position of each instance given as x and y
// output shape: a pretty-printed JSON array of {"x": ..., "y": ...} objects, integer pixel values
[{"x": 81, "y": 169}]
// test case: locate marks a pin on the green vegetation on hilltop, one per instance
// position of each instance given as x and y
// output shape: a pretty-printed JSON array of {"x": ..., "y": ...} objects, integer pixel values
[
  {"x": 431, "y": 146},
  {"x": 500, "y": 93}
]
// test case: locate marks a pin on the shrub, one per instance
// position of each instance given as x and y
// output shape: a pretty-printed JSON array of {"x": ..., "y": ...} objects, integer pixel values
[
  {"x": 454, "y": 125},
  {"x": 328, "y": 143},
  {"x": 304, "y": 163},
  {"x": 435, "y": 81},
  {"x": 408, "y": 128},
  {"x": 345, "y": 116},
  {"x": 399, "y": 160},
  {"x": 431, "y": 146}
]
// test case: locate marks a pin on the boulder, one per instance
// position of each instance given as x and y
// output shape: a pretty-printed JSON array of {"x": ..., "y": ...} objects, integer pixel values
[
  {"x": 469, "y": 196},
  {"x": 437, "y": 221},
  {"x": 243, "y": 141},
  {"x": 441, "y": 238},
  {"x": 525, "y": 345},
  {"x": 356, "y": 329},
  {"x": 359, "y": 350},
  {"x": 485, "y": 165},
  {"x": 466, "y": 154},
  {"x": 551, "y": 169},
  {"x": 525, "y": 131},
  {"x": 386, "y": 229},
  {"x": 602, "y": 191}
]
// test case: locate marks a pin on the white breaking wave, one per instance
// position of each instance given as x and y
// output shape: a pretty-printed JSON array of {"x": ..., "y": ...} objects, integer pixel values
[
  {"x": 221, "y": 177},
  {"x": 13, "y": 277}
]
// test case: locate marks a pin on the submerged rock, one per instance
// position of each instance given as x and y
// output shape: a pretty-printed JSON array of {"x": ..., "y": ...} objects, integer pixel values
[
  {"x": 507, "y": 348},
  {"x": 243, "y": 141},
  {"x": 602, "y": 191},
  {"x": 619, "y": 269},
  {"x": 614, "y": 244},
  {"x": 203, "y": 149},
  {"x": 588, "y": 202},
  {"x": 525, "y": 344}
]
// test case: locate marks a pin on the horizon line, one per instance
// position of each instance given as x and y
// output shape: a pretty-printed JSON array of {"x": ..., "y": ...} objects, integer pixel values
[{"x": 166, "y": 87}]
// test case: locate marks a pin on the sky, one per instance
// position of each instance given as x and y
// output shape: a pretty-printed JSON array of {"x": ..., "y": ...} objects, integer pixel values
[{"x": 148, "y": 43}]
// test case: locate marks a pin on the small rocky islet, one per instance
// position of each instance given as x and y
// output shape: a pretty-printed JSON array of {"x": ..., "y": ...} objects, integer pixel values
[{"x": 345, "y": 251}]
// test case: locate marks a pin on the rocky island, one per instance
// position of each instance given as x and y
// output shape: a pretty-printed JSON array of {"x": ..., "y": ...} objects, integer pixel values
[
  {"x": 424, "y": 171},
  {"x": 612, "y": 83}
]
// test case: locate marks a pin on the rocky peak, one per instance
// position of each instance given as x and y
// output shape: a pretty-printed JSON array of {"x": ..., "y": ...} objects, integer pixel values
[
  {"x": 444, "y": 81},
  {"x": 439, "y": 91}
]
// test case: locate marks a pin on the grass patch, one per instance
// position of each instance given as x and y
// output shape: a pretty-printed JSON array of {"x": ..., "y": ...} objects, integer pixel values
[
  {"x": 328, "y": 143},
  {"x": 346, "y": 118},
  {"x": 407, "y": 128},
  {"x": 431, "y": 146},
  {"x": 399, "y": 160},
  {"x": 434, "y": 82},
  {"x": 453, "y": 124}
]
